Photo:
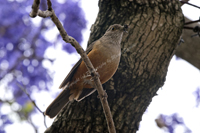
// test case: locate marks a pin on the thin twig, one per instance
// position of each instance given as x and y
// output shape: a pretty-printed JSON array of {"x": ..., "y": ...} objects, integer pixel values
[
  {"x": 37, "y": 12},
  {"x": 97, "y": 83},
  {"x": 35, "y": 8},
  {"x": 32, "y": 124},
  {"x": 183, "y": 2},
  {"x": 94, "y": 74},
  {"x": 195, "y": 29},
  {"x": 191, "y": 22},
  {"x": 24, "y": 90},
  {"x": 188, "y": 27}
]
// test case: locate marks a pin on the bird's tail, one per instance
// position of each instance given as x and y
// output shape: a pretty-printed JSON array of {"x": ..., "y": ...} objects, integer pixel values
[{"x": 61, "y": 100}]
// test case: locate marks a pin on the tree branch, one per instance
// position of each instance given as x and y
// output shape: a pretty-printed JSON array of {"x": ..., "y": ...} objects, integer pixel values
[
  {"x": 79, "y": 49},
  {"x": 191, "y": 22},
  {"x": 35, "y": 8},
  {"x": 185, "y": 2},
  {"x": 189, "y": 49},
  {"x": 24, "y": 90}
]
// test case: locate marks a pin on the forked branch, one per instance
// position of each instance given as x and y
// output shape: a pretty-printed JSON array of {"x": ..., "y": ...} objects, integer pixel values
[{"x": 68, "y": 39}]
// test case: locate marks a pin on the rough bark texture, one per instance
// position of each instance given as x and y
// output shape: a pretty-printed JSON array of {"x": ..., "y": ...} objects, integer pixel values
[
  {"x": 155, "y": 27},
  {"x": 190, "y": 49}
]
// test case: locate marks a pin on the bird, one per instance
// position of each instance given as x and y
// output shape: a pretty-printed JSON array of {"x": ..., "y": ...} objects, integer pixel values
[{"x": 104, "y": 54}]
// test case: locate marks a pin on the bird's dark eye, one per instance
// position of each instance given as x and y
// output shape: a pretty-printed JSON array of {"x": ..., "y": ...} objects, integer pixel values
[{"x": 113, "y": 28}]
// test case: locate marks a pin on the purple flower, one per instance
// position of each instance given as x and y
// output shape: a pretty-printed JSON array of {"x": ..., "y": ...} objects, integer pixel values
[
  {"x": 22, "y": 46},
  {"x": 197, "y": 95},
  {"x": 4, "y": 121},
  {"x": 170, "y": 122},
  {"x": 73, "y": 21}
]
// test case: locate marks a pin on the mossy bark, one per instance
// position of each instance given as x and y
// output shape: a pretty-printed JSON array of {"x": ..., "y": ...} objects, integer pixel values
[{"x": 155, "y": 27}]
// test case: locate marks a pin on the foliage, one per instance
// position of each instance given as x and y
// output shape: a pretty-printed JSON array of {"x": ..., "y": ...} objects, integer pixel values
[{"x": 22, "y": 49}]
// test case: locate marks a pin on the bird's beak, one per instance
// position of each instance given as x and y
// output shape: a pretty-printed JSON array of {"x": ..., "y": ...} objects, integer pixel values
[{"x": 125, "y": 28}]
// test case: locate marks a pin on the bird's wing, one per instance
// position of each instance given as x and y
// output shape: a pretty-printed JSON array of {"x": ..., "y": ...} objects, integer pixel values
[{"x": 73, "y": 70}]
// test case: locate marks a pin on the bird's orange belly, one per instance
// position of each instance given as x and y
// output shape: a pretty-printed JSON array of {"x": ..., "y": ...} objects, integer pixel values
[{"x": 106, "y": 66}]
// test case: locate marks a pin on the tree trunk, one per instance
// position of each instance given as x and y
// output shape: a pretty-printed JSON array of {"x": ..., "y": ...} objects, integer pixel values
[
  {"x": 190, "y": 49},
  {"x": 155, "y": 27}
]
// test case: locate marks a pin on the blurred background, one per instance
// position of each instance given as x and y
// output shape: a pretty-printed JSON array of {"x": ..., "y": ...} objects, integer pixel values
[{"x": 34, "y": 60}]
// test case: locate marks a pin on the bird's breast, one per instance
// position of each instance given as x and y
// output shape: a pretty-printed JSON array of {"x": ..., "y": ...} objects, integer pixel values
[{"x": 104, "y": 60}]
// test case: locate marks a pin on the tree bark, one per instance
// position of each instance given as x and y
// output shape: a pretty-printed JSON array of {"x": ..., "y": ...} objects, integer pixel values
[
  {"x": 155, "y": 27},
  {"x": 190, "y": 49}
]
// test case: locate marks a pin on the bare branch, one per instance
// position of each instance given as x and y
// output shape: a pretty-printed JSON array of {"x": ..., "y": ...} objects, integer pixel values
[
  {"x": 33, "y": 125},
  {"x": 24, "y": 90},
  {"x": 182, "y": 2},
  {"x": 195, "y": 29},
  {"x": 44, "y": 14},
  {"x": 97, "y": 83},
  {"x": 37, "y": 12},
  {"x": 35, "y": 8},
  {"x": 90, "y": 67},
  {"x": 185, "y": 2},
  {"x": 191, "y": 22}
]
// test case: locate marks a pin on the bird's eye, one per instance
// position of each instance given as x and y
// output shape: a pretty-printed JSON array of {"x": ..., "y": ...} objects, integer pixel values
[{"x": 113, "y": 28}]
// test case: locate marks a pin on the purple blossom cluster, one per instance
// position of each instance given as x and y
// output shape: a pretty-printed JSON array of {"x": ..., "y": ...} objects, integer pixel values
[
  {"x": 171, "y": 121},
  {"x": 197, "y": 95},
  {"x": 22, "y": 46},
  {"x": 5, "y": 121}
]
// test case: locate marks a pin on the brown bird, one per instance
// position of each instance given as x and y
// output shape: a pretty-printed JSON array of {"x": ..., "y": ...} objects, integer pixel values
[{"x": 105, "y": 56}]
